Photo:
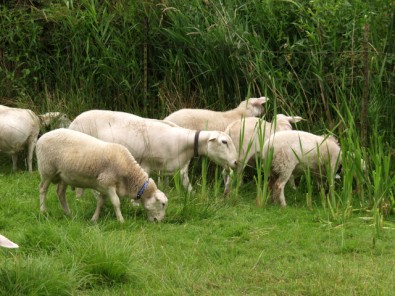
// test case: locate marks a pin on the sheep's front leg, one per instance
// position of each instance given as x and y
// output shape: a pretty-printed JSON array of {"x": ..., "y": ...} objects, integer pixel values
[
  {"x": 184, "y": 178},
  {"x": 227, "y": 181},
  {"x": 116, "y": 203},
  {"x": 43, "y": 194},
  {"x": 100, "y": 202},
  {"x": 228, "y": 178},
  {"x": 61, "y": 192}
]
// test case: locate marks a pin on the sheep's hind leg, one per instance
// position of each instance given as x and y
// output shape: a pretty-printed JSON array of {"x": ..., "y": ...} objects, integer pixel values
[
  {"x": 100, "y": 202},
  {"x": 278, "y": 188},
  {"x": 79, "y": 192},
  {"x": 43, "y": 194},
  {"x": 30, "y": 153},
  {"x": 291, "y": 182},
  {"x": 116, "y": 203},
  {"x": 61, "y": 191}
]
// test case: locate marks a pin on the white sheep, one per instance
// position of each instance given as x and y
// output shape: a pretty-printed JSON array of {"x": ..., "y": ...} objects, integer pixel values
[
  {"x": 293, "y": 152},
  {"x": 19, "y": 129},
  {"x": 156, "y": 145},
  {"x": 68, "y": 157},
  {"x": 249, "y": 135},
  {"x": 203, "y": 119},
  {"x": 53, "y": 120},
  {"x": 6, "y": 243}
]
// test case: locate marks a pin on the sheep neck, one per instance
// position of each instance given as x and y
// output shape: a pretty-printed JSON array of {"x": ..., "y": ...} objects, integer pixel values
[
  {"x": 196, "y": 144},
  {"x": 235, "y": 113},
  {"x": 202, "y": 143}
]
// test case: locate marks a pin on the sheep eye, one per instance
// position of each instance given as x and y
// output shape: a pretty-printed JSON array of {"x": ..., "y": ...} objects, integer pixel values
[{"x": 225, "y": 142}]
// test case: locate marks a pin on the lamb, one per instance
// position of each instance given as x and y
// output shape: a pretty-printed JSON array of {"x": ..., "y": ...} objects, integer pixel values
[
  {"x": 6, "y": 243},
  {"x": 19, "y": 129},
  {"x": 66, "y": 157},
  {"x": 202, "y": 119},
  {"x": 156, "y": 145},
  {"x": 296, "y": 151},
  {"x": 53, "y": 120},
  {"x": 249, "y": 135}
]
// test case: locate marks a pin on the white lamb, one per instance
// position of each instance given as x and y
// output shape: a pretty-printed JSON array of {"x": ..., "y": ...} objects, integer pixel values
[
  {"x": 53, "y": 120},
  {"x": 157, "y": 145},
  {"x": 6, "y": 243},
  {"x": 249, "y": 135},
  {"x": 296, "y": 151},
  {"x": 67, "y": 157},
  {"x": 203, "y": 119},
  {"x": 19, "y": 129}
]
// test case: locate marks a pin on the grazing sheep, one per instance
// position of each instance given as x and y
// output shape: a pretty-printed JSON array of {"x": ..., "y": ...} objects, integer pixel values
[
  {"x": 157, "y": 145},
  {"x": 203, "y": 119},
  {"x": 249, "y": 135},
  {"x": 296, "y": 151},
  {"x": 68, "y": 157},
  {"x": 6, "y": 243},
  {"x": 19, "y": 129},
  {"x": 54, "y": 120}
]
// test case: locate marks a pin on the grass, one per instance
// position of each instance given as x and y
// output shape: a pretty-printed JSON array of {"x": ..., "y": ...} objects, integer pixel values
[{"x": 204, "y": 247}]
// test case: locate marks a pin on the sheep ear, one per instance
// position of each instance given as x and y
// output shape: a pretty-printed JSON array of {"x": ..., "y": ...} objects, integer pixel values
[
  {"x": 212, "y": 139},
  {"x": 259, "y": 101},
  {"x": 294, "y": 119}
]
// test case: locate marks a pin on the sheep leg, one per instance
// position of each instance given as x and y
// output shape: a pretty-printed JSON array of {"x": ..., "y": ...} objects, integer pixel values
[
  {"x": 116, "y": 203},
  {"x": 271, "y": 180},
  {"x": 185, "y": 179},
  {"x": 278, "y": 187},
  {"x": 291, "y": 182},
  {"x": 79, "y": 192},
  {"x": 14, "y": 162},
  {"x": 100, "y": 202},
  {"x": 43, "y": 194},
  {"x": 30, "y": 153},
  {"x": 228, "y": 178},
  {"x": 61, "y": 192},
  {"x": 279, "y": 192},
  {"x": 227, "y": 181}
]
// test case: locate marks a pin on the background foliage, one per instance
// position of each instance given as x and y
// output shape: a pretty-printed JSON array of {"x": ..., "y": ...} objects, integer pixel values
[{"x": 152, "y": 57}]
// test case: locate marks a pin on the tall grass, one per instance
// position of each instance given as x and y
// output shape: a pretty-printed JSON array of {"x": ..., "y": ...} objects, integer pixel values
[{"x": 90, "y": 54}]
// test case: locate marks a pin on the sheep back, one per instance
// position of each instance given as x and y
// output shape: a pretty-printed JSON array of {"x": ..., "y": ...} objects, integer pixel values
[
  {"x": 203, "y": 119},
  {"x": 297, "y": 150}
]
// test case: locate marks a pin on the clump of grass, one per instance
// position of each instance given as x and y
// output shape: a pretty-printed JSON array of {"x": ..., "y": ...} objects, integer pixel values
[
  {"x": 20, "y": 275},
  {"x": 106, "y": 261}
]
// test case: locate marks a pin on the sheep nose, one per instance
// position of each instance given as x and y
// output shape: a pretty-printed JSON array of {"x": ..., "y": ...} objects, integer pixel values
[
  {"x": 156, "y": 220},
  {"x": 235, "y": 163}
]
